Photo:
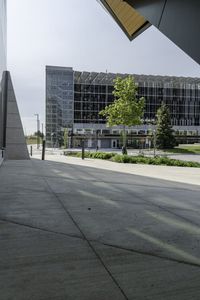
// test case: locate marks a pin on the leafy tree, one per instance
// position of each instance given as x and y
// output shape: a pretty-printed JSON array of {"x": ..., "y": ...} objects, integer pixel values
[
  {"x": 39, "y": 133},
  {"x": 164, "y": 133},
  {"x": 127, "y": 109}
]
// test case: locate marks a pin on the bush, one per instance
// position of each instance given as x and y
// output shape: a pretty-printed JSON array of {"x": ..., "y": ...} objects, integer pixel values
[
  {"x": 158, "y": 160},
  {"x": 121, "y": 158},
  {"x": 70, "y": 153},
  {"x": 101, "y": 155},
  {"x": 87, "y": 154},
  {"x": 154, "y": 161}
]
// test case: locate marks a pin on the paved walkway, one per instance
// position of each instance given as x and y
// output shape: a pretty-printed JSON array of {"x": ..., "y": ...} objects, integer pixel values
[
  {"x": 74, "y": 231},
  {"x": 178, "y": 174}
]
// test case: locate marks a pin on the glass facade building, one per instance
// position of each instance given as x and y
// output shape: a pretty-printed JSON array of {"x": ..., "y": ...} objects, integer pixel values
[
  {"x": 90, "y": 92},
  {"x": 59, "y": 101}
]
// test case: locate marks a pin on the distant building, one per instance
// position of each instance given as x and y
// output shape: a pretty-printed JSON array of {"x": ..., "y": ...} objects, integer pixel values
[{"x": 74, "y": 99}]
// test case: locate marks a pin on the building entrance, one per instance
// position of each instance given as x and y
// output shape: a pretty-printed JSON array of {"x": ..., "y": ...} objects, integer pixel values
[{"x": 115, "y": 144}]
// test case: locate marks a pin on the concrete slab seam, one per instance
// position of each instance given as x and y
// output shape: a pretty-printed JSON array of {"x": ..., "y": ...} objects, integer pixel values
[
  {"x": 89, "y": 243},
  {"x": 100, "y": 243},
  {"x": 40, "y": 228}
]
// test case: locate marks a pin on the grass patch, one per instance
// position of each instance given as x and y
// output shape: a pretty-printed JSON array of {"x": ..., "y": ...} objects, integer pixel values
[
  {"x": 32, "y": 140},
  {"x": 185, "y": 149},
  {"x": 119, "y": 158}
]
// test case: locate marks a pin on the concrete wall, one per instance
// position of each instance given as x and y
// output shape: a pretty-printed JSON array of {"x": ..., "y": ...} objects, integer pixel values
[{"x": 16, "y": 147}]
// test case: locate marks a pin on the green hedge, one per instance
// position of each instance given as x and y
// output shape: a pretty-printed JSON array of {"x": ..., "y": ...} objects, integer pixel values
[
  {"x": 99, "y": 155},
  {"x": 135, "y": 159},
  {"x": 154, "y": 161}
]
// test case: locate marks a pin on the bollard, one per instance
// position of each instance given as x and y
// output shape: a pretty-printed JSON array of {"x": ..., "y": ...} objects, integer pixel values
[
  {"x": 83, "y": 149},
  {"x": 31, "y": 150},
  {"x": 43, "y": 149}
]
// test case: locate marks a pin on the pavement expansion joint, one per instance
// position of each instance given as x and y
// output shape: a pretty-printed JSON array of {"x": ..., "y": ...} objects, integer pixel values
[
  {"x": 97, "y": 241},
  {"x": 168, "y": 210},
  {"x": 148, "y": 254},
  {"x": 40, "y": 228},
  {"x": 91, "y": 242},
  {"x": 88, "y": 241},
  {"x": 56, "y": 195}
]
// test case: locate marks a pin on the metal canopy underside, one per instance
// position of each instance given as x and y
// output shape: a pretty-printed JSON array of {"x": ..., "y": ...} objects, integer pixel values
[
  {"x": 131, "y": 22},
  {"x": 177, "y": 19}
]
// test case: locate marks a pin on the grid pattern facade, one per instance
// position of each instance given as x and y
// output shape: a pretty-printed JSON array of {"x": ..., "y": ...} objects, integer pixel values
[
  {"x": 182, "y": 98},
  {"x": 182, "y": 95},
  {"x": 59, "y": 101},
  {"x": 75, "y": 98},
  {"x": 89, "y": 100}
]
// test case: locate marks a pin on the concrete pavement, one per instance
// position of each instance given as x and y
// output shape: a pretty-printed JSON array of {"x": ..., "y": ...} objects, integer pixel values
[
  {"x": 72, "y": 231},
  {"x": 178, "y": 174}
]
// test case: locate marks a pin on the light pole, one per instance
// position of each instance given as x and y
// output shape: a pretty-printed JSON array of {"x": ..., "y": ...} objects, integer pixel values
[
  {"x": 38, "y": 129},
  {"x": 52, "y": 141},
  {"x": 152, "y": 122},
  {"x": 154, "y": 142}
]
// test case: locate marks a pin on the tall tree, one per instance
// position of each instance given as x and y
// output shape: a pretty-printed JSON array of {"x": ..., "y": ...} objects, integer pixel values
[
  {"x": 127, "y": 109},
  {"x": 164, "y": 133}
]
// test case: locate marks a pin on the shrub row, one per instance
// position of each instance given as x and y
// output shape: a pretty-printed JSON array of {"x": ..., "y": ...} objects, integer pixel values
[
  {"x": 135, "y": 159},
  {"x": 99, "y": 155},
  {"x": 154, "y": 161},
  {"x": 70, "y": 153}
]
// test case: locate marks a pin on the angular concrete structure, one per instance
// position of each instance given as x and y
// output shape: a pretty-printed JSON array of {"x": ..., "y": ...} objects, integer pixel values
[{"x": 15, "y": 144}]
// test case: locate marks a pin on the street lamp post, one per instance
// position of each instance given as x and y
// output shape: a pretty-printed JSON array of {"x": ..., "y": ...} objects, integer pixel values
[
  {"x": 72, "y": 137},
  {"x": 42, "y": 131},
  {"x": 154, "y": 142},
  {"x": 38, "y": 129},
  {"x": 152, "y": 122},
  {"x": 52, "y": 135}
]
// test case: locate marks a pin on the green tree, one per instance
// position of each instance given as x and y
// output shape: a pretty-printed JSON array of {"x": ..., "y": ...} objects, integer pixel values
[
  {"x": 164, "y": 133},
  {"x": 127, "y": 109},
  {"x": 39, "y": 133}
]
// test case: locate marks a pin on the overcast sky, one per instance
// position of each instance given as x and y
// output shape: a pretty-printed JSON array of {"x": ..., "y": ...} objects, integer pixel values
[{"x": 78, "y": 34}]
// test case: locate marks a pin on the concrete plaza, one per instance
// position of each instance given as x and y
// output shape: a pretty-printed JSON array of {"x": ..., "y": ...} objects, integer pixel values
[{"x": 72, "y": 229}]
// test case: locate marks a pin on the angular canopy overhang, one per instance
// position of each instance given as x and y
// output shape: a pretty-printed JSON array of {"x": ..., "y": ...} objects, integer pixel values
[
  {"x": 179, "y": 20},
  {"x": 130, "y": 21}
]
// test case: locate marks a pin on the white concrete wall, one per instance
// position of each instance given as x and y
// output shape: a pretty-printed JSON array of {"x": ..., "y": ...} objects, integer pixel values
[{"x": 16, "y": 147}]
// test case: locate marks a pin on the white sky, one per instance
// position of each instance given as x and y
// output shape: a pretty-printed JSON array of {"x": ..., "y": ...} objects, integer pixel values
[{"x": 78, "y": 34}]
